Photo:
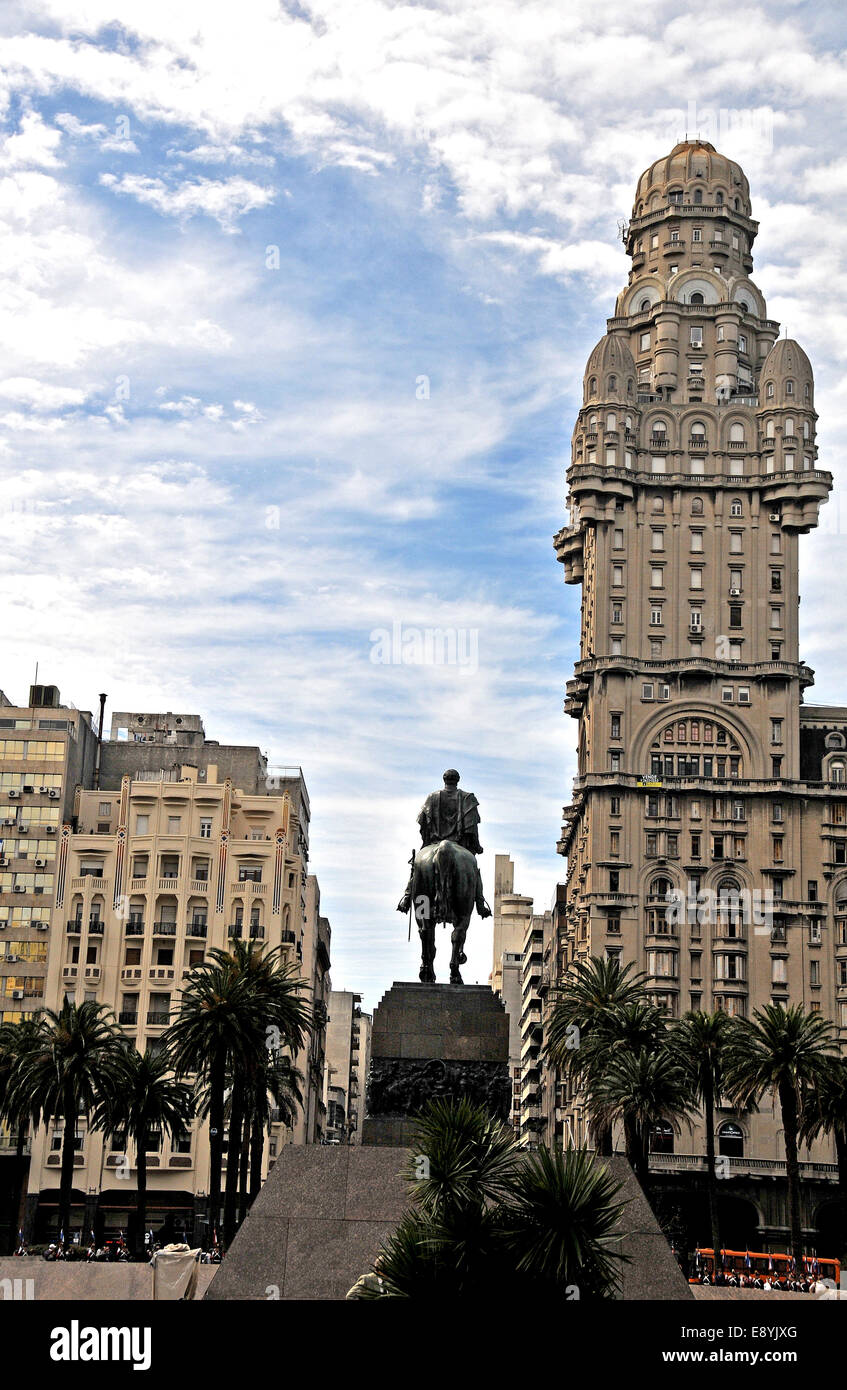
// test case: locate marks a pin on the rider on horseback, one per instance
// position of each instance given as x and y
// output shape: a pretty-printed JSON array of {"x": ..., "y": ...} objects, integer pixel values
[{"x": 450, "y": 814}]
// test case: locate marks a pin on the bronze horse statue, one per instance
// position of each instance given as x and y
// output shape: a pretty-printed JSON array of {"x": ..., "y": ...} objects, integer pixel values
[{"x": 443, "y": 889}]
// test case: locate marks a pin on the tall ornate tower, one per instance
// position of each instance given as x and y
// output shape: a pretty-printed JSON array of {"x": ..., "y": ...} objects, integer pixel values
[{"x": 693, "y": 471}]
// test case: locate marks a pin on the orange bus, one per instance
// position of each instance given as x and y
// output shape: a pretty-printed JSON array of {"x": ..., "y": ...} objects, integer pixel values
[{"x": 767, "y": 1265}]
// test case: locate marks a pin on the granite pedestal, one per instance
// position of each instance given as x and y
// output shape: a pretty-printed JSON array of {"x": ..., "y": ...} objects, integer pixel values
[{"x": 433, "y": 1042}]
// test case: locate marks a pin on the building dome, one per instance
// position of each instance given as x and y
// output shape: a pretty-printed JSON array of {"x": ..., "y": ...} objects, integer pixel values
[
  {"x": 610, "y": 371},
  {"x": 786, "y": 378},
  {"x": 695, "y": 170}
]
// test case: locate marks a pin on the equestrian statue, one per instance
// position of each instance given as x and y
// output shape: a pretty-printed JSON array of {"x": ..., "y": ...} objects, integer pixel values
[{"x": 445, "y": 883}]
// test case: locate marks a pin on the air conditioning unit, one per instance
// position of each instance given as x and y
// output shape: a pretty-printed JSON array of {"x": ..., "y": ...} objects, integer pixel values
[
  {"x": 53, "y": 793},
  {"x": 43, "y": 790},
  {"x": 19, "y": 888},
  {"x": 735, "y": 593},
  {"x": 773, "y": 516},
  {"x": 9, "y": 820},
  {"x": 42, "y": 926},
  {"x": 24, "y": 828},
  {"x": 50, "y": 829},
  {"x": 17, "y": 994},
  {"x": 40, "y": 863},
  {"x": 14, "y": 793}
]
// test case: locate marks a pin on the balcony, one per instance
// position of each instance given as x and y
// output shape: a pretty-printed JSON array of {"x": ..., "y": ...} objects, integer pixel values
[
  {"x": 248, "y": 885},
  {"x": 236, "y": 929},
  {"x": 200, "y": 885},
  {"x": 164, "y": 928},
  {"x": 74, "y": 927},
  {"x": 196, "y": 929},
  {"x": 95, "y": 928},
  {"x": 162, "y": 972},
  {"x": 169, "y": 883},
  {"x": 158, "y": 1017},
  {"x": 134, "y": 927},
  {"x": 128, "y": 1017}
]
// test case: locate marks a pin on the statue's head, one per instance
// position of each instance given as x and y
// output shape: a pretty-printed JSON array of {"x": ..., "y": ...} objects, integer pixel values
[{"x": 451, "y": 777}]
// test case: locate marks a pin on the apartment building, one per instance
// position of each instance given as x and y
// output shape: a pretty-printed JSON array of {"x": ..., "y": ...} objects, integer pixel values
[
  {"x": 185, "y": 845},
  {"x": 348, "y": 1048}
]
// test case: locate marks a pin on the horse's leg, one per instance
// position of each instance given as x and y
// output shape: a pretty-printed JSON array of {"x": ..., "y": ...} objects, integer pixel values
[
  {"x": 460, "y": 931},
  {"x": 427, "y": 933}
]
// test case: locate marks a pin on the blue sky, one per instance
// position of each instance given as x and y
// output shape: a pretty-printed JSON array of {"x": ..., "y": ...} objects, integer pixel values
[{"x": 234, "y": 240}]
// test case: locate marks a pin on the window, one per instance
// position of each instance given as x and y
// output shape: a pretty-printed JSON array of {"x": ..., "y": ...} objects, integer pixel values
[
  {"x": 776, "y": 617},
  {"x": 696, "y": 577},
  {"x": 735, "y": 508},
  {"x": 644, "y": 342},
  {"x": 615, "y": 806},
  {"x": 696, "y": 337},
  {"x": 616, "y": 726},
  {"x": 655, "y": 617},
  {"x": 105, "y": 808},
  {"x": 726, "y": 694},
  {"x": 142, "y": 825},
  {"x": 617, "y": 575},
  {"x": 812, "y": 890},
  {"x": 744, "y": 695},
  {"x": 776, "y": 731},
  {"x": 697, "y": 541},
  {"x": 617, "y": 540},
  {"x": 697, "y": 506},
  {"x": 614, "y": 842},
  {"x": 697, "y": 232},
  {"x": 657, "y": 577},
  {"x": 779, "y": 971},
  {"x": 647, "y": 691},
  {"x": 174, "y": 823},
  {"x": 735, "y": 615},
  {"x": 617, "y": 612},
  {"x": 736, "y": 542}
]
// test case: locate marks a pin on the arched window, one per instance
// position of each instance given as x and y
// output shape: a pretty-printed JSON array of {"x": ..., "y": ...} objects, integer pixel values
[
  {"x": 769, "y": 430},
  {"x": 592, "y": 386},
  {"x": 645, "y": 304},
  {"x": 719, "y": 197},
  {"x": 737, "y": 204},
  {"x": 611, "y": 420},
  {"x": 805, "y": 429},
  {"x": 835, "y": 740},
  {"x": 628, "y": 422},
  {"x": 730, "y": 1141},
  {"x": 675, "y": 195},
  {"x": 698, "y": 430},
  {"x": 613, "y": 384},
  {"x": 730, "y": 921},
  {"x": 837, "y": 770},
  {"x": 698, "y": 195},
  {"x": 661, "y": 1137},
  {"x": 736, "y": 434},
  {"x": 769, "y": 390},
  {"x": 592, "y": 422},
  {"x": 660, "y": 888},
  {"x": 658, "y": 503},
  {"x": 629, "y": 386},
  {"x": 807, "y": 392},
  {"x": 744, "y": 306},
  {"x": 789, "y": 387},
  {"x": 659, "y": 427},
  {"x": 735, "y": 508},
  {"x": 788, "y": 427},
  {"x": 697, "y": 506},
  {"x": 697, "y": 298}
]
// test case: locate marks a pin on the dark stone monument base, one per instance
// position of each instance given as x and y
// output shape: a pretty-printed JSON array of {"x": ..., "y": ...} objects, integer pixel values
[
  {"x": 430, "y": 1042},
  {"x": 323, "y": 1213}
]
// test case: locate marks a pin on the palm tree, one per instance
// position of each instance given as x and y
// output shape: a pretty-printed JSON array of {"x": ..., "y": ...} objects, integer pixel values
[
  {"x": 700, "y": 1041},
  {"x": 642, "y": 1089},
  {"x": 71, "y": 1062},
  {"x": 785, "y": 1052},
  {"x": 825, "y": 1112},
  {"x": 277, "y": 1086},
  {"x": 237, "y": 1003},
  {"x": 591, "y": 990},
  {"x": 216, "y": 1027},
  {"x": 15, "y": 1040},
  {"x": 145, "y": 1100},
  {"x": 486, "y": 1218}
]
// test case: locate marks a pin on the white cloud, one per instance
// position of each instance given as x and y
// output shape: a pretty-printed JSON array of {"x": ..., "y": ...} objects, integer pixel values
[{"x": 226, "y": 200}]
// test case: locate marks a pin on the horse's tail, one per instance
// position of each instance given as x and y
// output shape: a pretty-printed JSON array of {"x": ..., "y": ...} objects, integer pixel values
[{"x": 443, "y": 866}]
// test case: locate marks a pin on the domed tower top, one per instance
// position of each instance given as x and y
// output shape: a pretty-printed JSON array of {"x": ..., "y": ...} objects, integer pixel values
[
  {"x": 609, "y": 371},
  {"x": 694, "y": 172},
  {"x": 786, "y": 378}
]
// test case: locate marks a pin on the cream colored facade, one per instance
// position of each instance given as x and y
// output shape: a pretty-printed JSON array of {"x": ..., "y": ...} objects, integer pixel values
[
  {"x": 701, "y": 770},
  {"x": 348, "y": 1051},
  {"x": 154, "y": 869}
]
